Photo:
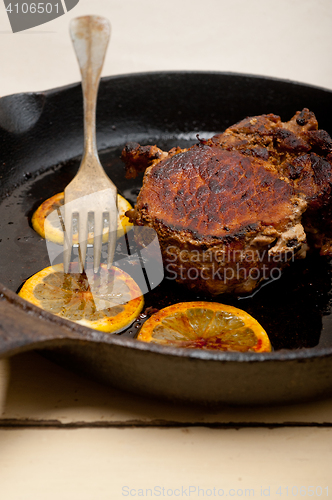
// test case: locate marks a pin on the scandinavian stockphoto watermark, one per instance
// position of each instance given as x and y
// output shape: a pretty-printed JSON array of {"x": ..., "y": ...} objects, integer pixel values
[
  {"x": 27, "y": 14},
  {"x": 225, "y": 265},
  {"x": 138, "y": 253}
]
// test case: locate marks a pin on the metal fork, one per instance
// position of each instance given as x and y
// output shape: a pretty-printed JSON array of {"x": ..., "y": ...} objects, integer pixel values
[{"x": 91, "y": 190}]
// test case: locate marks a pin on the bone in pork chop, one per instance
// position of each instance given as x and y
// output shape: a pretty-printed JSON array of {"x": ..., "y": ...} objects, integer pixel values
[{"x": 236, "y": 209}]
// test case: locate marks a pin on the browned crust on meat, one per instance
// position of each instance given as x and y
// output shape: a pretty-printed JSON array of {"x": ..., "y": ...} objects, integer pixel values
[{"x": 214, "y": 193}]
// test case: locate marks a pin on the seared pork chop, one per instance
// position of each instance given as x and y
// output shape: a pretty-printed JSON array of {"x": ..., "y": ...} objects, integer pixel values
[{"x": 236, "y": 209}]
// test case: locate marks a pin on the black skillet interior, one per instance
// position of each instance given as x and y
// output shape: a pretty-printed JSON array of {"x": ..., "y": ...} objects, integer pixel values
[{"x": 42, "y": 138}]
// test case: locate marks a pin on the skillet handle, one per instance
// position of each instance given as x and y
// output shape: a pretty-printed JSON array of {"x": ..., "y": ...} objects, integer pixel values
[{"x": 23, "y": 328}]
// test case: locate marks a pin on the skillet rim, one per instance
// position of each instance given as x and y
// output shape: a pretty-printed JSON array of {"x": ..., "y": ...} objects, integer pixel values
[
  {"x": 177, "y": 72},
  {"x": 204, "y": 355}
]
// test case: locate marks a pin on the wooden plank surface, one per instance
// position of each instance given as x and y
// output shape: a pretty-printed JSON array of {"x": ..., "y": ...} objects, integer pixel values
[
  {"x": 36, "y": 391},
  {"x": 111, "y": 464}
]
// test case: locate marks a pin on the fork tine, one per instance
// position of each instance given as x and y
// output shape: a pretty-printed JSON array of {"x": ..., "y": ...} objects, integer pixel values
[
  {"x": 68, "y": 238},
  {"x": 82, "y": 237},
  {"x": 98, "y": 238},
  {"x": 111, "y": 238}
]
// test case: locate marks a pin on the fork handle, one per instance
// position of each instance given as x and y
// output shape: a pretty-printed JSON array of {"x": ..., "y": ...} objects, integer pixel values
[{"x": 90, "y": 36}]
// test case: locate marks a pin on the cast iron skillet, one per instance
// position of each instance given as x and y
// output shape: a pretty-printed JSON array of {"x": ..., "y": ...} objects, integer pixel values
[{"x": 41, "y": 140}]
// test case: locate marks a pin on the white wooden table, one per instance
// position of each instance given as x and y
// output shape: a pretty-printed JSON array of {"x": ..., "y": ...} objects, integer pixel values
[{"x": 66, "y": 437}]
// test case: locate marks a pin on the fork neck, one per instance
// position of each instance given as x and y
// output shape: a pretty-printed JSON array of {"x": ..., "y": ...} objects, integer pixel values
[{"x": 90, "y": 92}]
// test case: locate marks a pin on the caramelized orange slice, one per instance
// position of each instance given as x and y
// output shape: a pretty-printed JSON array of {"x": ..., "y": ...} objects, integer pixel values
[
  {"x": 205, "y": 325},
  {"x": 108, "y": 301}
]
